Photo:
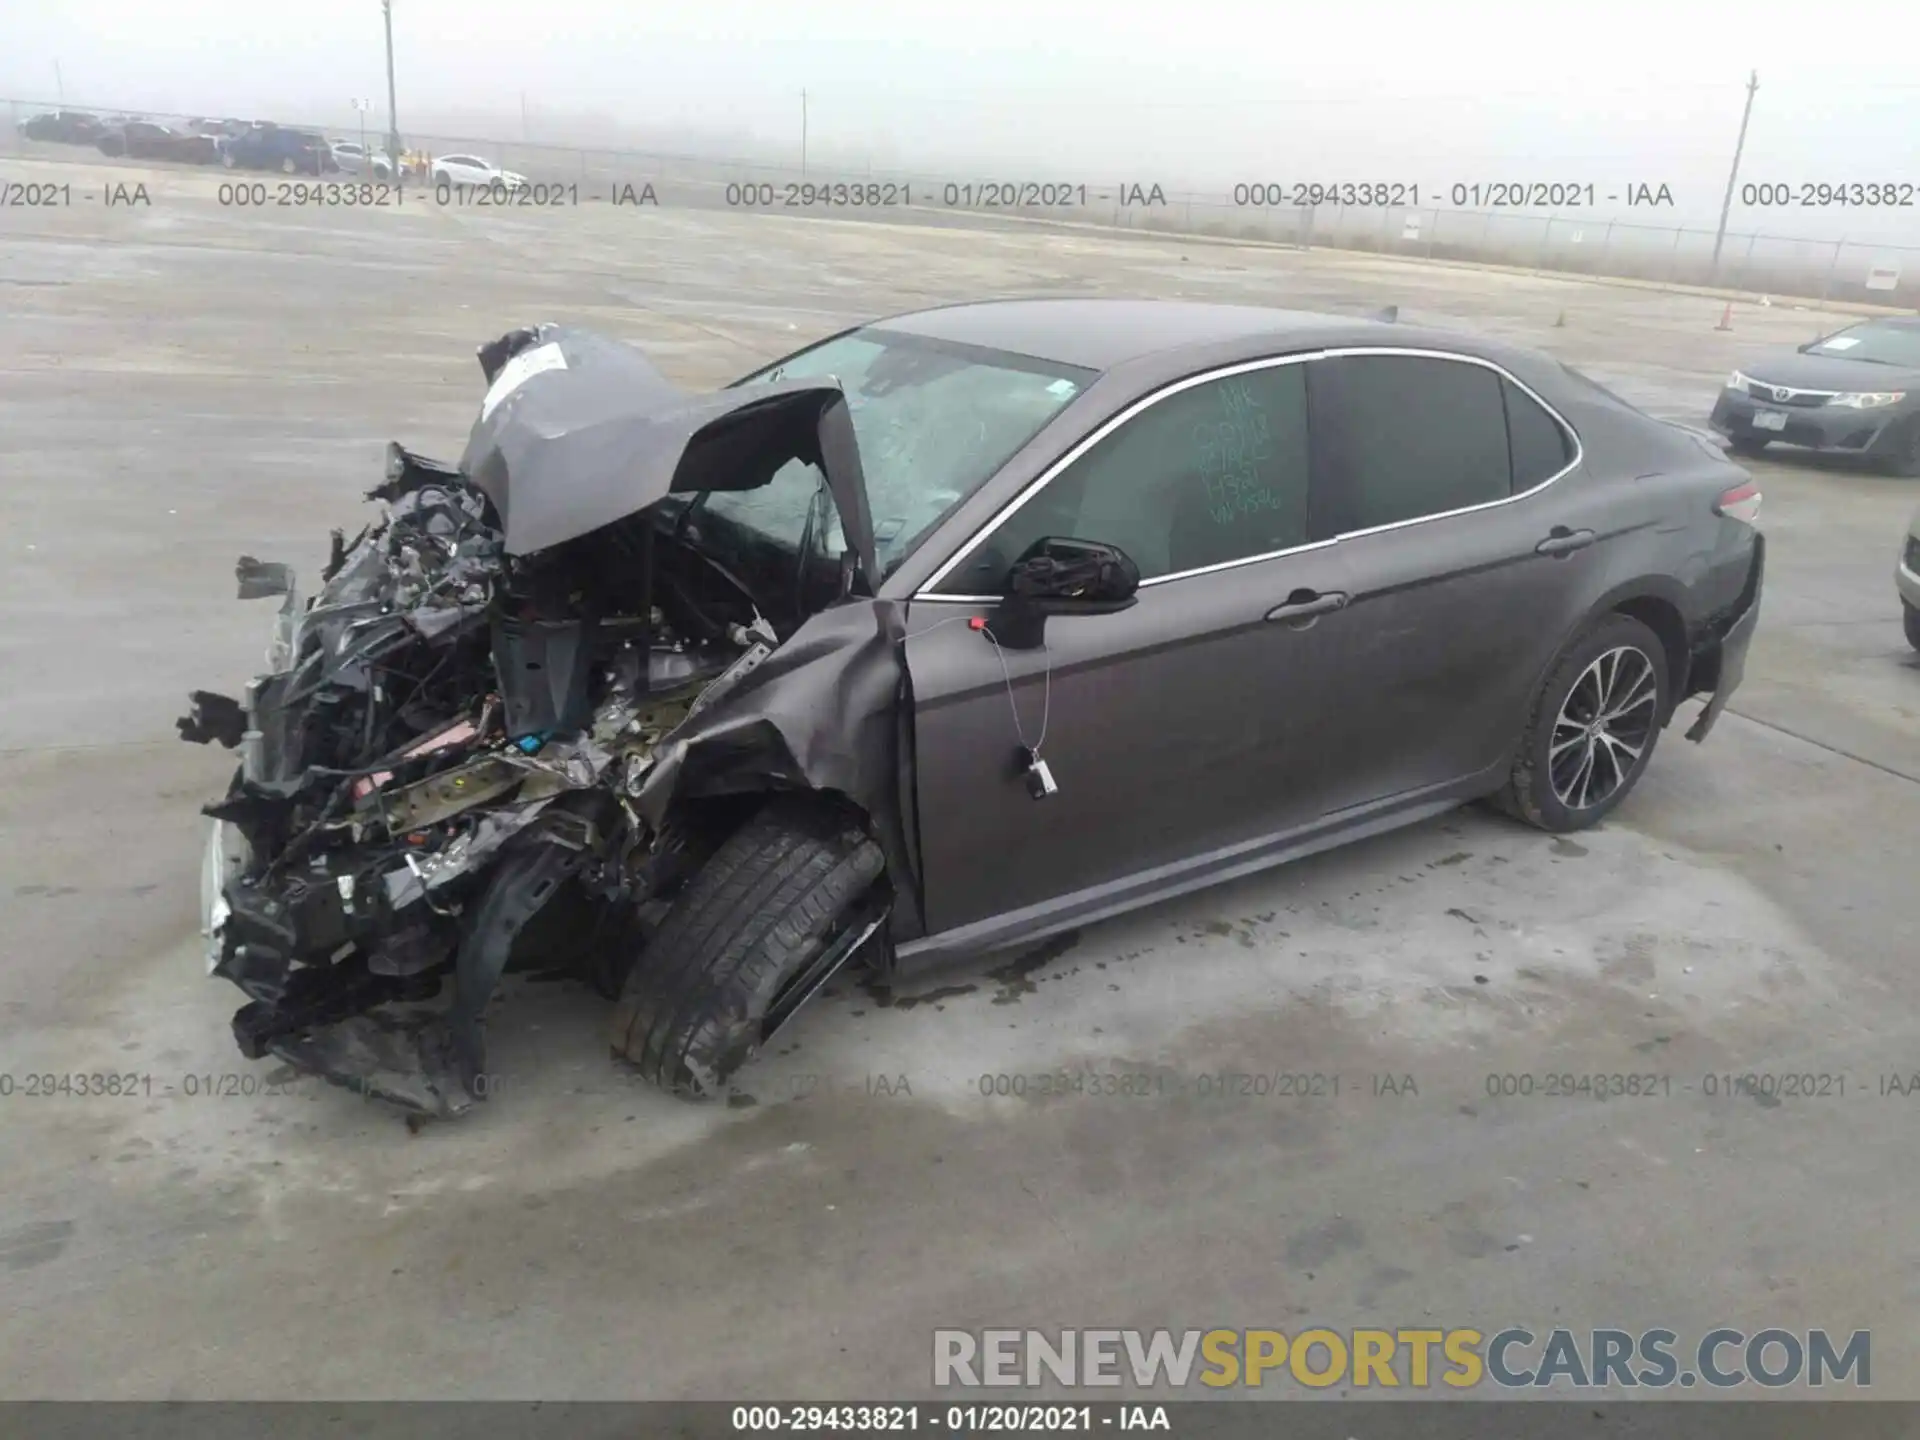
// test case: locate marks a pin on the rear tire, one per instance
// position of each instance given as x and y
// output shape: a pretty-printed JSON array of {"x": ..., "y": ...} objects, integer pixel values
[
  {"x": 776, "y": 894},
  {"x": 1748, "y": 449},
  {"x": 1568, "y": 775}
]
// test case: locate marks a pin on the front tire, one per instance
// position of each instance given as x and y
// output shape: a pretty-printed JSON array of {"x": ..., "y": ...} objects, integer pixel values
[
  {"x": 1912, "y": 618},
  {"x": 1905, "y": 460},
  {"x": 744, "y": 944},
  {"x": 1592, "y": 729}
]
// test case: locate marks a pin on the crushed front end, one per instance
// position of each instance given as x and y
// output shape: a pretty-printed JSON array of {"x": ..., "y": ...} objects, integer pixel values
[
  {"x": 526, "y": 702},
  {"x": 444, "y": 748}
]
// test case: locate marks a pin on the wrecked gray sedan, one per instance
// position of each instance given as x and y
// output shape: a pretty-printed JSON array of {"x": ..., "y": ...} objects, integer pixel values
[{"x": 951, "y": 632}]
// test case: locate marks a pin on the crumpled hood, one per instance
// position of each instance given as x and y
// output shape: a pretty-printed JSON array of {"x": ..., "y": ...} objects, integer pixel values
[{"x": 578, "y": 431}]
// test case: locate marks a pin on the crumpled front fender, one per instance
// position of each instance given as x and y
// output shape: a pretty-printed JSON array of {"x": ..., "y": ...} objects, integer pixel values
[{"x": 823, "y": 712}]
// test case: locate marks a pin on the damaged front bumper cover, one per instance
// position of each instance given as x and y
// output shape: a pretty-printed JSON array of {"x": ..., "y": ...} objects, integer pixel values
[{"x": 355, "y": 1018}]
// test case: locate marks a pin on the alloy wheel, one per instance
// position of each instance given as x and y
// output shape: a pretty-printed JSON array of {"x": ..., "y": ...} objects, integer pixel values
[{"x": 1603, "y": 727}]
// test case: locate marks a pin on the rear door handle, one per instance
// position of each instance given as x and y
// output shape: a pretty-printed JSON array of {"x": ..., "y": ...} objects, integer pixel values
[
  {"x": 1307, "y": 604},
  {"x": 1562, "y": 541}
]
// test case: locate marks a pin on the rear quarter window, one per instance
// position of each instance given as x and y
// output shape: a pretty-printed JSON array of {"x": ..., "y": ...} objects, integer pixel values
[{"x": 1539, "y": 444}]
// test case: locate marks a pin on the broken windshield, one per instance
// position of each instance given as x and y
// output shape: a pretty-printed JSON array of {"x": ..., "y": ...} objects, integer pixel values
[{"x": 933, "y": 421}]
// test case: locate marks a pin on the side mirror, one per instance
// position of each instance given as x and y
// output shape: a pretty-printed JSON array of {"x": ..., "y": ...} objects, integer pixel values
[
  {"x": 1057, "y": 576},
  {"x": 1065, "y": 576}
]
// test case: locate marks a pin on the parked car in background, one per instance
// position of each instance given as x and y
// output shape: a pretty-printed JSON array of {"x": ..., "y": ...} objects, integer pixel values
[
  {"x": 274, "y": 147},
  {"x": 354, "y": 158},
  {"x": 1857, "y": 392},
  {"x": 472, "y": 170},
  {"x": 147, "y": 140},
  {"x": 1906, "y": 579},
  {"x": 64, "y": 127},
  {"x": 219, "y": 128}
]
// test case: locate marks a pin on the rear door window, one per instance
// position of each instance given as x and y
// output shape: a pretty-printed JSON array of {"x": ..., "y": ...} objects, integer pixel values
[{"x": 1409, "y": 436}]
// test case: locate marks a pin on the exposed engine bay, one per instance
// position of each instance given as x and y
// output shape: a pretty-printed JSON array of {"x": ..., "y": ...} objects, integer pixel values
[{"x": 448, "y": 767}]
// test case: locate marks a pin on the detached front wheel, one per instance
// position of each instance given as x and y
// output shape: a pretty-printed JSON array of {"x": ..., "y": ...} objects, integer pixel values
[
  {"x": 1592, "y": 730},
  {"x": 780, "y": 906}
]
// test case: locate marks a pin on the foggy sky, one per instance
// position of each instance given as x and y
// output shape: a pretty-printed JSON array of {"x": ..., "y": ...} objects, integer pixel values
[{"x": 1195, "y": 96}]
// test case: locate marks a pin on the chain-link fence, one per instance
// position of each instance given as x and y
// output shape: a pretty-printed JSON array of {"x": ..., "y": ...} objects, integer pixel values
[{"x": 1830, "y": 271}]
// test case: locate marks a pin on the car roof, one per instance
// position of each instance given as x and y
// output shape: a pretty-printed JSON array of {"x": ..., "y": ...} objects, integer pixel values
[{"x": 1100, "y": 334}]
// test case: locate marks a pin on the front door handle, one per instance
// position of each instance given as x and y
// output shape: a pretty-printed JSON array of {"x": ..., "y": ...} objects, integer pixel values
[
  {"x": 1308, "y": 604},
  {"x": 1562, "y": 541}
]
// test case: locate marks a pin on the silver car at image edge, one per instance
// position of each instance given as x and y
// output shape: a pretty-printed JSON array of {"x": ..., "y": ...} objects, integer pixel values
[{"x": 1906, "y": 580}]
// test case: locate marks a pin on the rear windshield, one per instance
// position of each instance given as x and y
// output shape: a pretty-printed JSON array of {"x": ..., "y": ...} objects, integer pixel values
[{"x": 1592, "y": 384}]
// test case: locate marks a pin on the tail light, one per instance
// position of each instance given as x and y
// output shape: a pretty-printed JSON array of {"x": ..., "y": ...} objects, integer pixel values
[{"x": 1742, "y": 502}]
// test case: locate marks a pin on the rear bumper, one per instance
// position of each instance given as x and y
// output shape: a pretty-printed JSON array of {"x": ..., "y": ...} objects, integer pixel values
[
  {"x": 1812, "y": 427},
  {"x": 1722, "y": 661}
]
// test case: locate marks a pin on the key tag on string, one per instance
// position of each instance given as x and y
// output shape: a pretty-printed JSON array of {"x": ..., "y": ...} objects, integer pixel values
[
  {"x": 1038, "y": 775},
  {"x": 1040, "y": 781}
]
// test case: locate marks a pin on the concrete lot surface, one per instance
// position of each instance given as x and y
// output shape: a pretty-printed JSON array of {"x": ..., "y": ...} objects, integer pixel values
[{"x": 185, "y": 382}]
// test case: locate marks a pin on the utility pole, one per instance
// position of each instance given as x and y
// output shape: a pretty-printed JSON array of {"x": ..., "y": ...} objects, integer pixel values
[
  {"x": 523, "y": 115},
  {"x": 1733, "y": 175},
  {"x": 393, "y": 114},
  {"x": 59, "y": 86},
  {"x": 803, "y": 132}
]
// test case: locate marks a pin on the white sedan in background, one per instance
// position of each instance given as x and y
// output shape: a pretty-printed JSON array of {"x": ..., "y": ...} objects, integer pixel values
[
  {"x": 472, "y": 170},
  {"x": 355, "y": 159}
]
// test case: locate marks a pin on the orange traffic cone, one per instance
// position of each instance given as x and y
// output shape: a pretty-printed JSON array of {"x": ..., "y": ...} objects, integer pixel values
[{"x": 1726, "y": 318}]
